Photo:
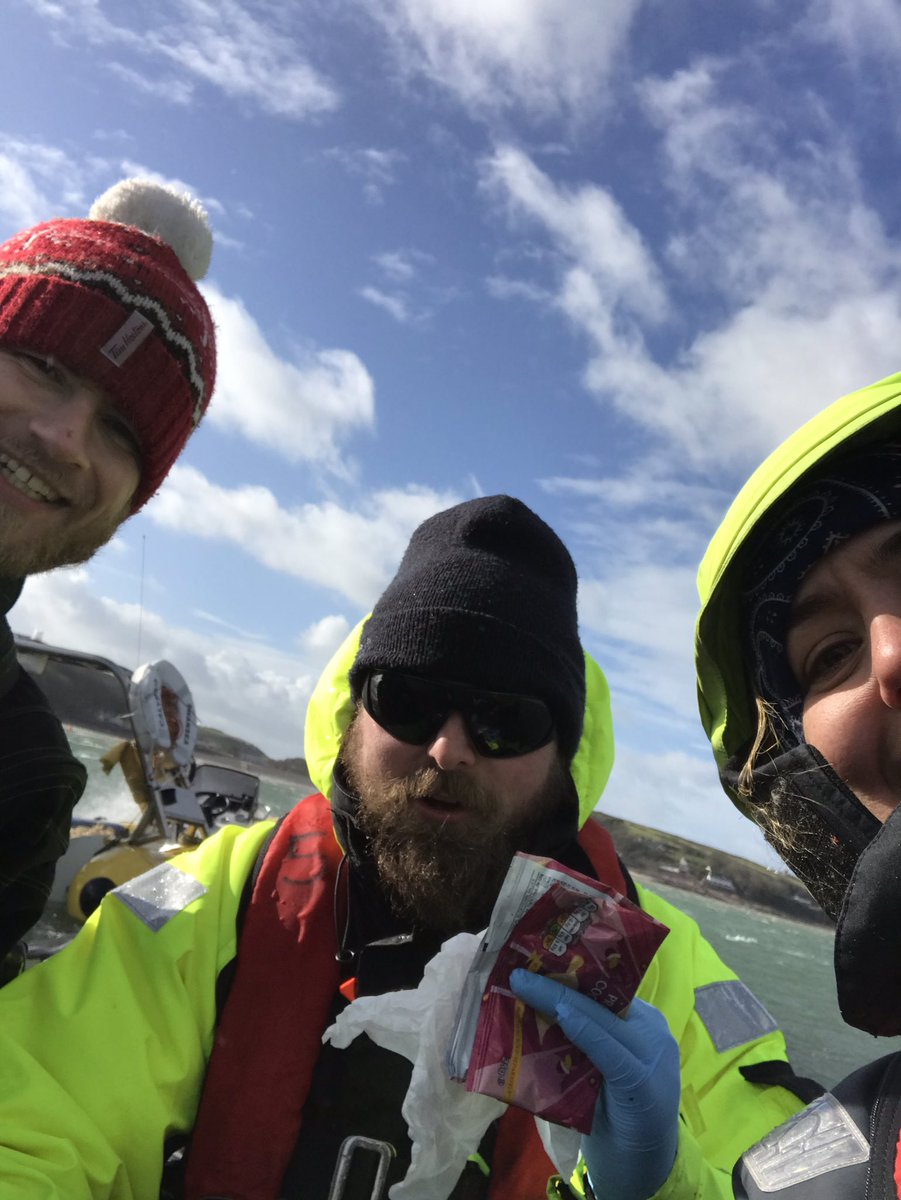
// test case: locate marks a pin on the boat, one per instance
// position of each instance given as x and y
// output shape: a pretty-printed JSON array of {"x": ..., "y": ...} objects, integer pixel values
[{"x": 179, "y": 800}]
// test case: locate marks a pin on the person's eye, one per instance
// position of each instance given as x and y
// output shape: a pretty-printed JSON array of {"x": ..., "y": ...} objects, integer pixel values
[
  {"x": 121, "y": 432},
  {"x": 44, "y": 365},
  {"x": 828, "y": 663}
]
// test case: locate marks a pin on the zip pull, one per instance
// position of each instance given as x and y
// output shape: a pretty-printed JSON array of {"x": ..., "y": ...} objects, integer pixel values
[{"x": 349, "y": 1147}]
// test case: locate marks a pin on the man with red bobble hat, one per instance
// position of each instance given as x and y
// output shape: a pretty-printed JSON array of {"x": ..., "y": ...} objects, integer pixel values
[{"x": 107, "y": 363}]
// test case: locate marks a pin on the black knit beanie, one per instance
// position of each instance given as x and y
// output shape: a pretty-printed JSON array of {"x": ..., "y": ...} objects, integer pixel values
[{"x": 485, "y": 595}]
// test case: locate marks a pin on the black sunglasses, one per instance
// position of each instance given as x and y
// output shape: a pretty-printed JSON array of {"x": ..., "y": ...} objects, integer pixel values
[{"x": 413, "y": 709}]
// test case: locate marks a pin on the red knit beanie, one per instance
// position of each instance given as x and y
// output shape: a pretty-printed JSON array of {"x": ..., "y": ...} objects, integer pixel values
[{"x": 113, "y": 299}]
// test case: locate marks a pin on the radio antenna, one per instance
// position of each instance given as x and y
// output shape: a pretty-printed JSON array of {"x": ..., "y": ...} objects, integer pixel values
[{"x": 141, "y": 602}]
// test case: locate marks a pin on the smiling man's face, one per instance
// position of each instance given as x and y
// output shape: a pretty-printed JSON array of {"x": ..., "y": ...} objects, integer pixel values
[{"x": 69, "y": 466}]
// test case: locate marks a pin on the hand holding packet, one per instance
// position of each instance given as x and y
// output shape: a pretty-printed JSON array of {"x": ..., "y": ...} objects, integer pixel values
[{"x": 556, "y": 922}]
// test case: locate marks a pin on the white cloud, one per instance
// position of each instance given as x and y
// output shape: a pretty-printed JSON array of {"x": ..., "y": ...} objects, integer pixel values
[
  {"x": 167, "y": 88},
  {"x": 543, "y": 57},
  {"x": 589, "y": 227},
  {"x": 503, "y": 288},
  {"x": 352, "y": 553},
  {"x": 413, "y": 286},
  {"x": 212, "y": 619},
  {"x": 647, "y": 483},
  {"x": 300, "y": 410},
  {"x": 325, "y": 636},
  {"x": 226, "y": 45},
  {"x": 400, "y": 266},
  {"x": 242, "y": 686},
  {"x": 797, "y": 273},
  {"x": 245, "y": 50},
  {"x": 640, "y": 617},
  {"x": 37, "y": 182},
  {"x": 865, "y": 29},
  {"x": 395, "y": 305},
  {"x": 377, "y": 168},
  {"x": 680, "y": 794}
]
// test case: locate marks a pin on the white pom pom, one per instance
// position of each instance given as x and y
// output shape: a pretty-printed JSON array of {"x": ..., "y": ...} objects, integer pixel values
[{"x": 163, "y": 212}]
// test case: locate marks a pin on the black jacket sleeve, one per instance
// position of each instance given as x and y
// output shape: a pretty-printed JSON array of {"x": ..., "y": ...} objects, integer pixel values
[{"x": 40, "y": 783}]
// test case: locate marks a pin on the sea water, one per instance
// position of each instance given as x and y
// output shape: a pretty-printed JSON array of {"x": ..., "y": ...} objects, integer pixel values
[{"x": 787, "y": 964}]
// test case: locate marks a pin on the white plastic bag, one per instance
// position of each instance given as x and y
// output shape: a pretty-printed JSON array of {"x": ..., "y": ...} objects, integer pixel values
[{"x": 446, "y": 1122}]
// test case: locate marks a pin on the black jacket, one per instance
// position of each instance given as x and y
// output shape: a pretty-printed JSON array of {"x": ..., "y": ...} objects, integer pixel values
[{"x": 40, "y": 783}]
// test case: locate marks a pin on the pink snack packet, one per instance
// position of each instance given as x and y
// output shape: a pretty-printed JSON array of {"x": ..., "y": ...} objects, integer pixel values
[{"x": 600, "y": 945}]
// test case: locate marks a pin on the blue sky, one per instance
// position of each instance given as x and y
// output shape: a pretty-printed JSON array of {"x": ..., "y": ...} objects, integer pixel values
[{"x": 602, "y": 256}]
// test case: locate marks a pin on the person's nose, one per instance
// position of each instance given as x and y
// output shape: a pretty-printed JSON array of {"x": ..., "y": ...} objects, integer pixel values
[
  {"x": 63, "y": 425},
  {"x": 451, "y": 749},
  {"x": 885, "y": 641}
]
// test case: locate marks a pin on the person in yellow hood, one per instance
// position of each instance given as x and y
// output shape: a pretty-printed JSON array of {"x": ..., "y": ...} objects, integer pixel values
[
  {"x": 799, "y": 670},
  {"x": 175, "y": 1048}
]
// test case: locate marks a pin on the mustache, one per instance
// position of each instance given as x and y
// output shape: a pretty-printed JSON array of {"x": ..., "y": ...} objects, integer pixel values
[{"x": 448, "y": 787}]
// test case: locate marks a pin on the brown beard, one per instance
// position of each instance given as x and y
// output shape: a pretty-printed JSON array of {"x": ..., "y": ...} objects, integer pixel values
[
  {"x": 59, "y": 547},
  {"x": 444, "y": 875}
]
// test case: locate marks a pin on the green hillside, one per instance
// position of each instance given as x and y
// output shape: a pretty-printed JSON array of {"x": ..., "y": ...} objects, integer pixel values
[{"x": 689, "y": 865}]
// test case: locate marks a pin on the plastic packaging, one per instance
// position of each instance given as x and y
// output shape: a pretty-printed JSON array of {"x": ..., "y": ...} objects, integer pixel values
[{"x": 591, "y": 939}]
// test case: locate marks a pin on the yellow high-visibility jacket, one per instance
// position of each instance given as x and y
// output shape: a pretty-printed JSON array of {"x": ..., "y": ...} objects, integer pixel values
[{"x": 103, "y": 1048}]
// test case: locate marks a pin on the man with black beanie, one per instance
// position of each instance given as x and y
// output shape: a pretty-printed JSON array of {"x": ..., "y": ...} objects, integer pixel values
[{"x": 458, "y": 724}]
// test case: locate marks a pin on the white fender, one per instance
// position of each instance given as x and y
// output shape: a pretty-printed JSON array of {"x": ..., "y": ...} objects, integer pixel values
[{"x": 151, "y": 686}]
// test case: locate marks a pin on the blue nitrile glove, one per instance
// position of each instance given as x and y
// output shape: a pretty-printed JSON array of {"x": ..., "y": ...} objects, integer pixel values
[{"x": 633, "y": 1141}]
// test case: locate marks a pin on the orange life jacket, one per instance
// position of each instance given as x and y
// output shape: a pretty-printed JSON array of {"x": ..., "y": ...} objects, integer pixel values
[{"x": 283, "y": 989}]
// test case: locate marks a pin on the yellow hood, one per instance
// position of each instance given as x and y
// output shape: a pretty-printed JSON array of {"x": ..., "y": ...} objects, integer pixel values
[
  {"x": 725, "y": 690},
  {"x": 331, "y": 708}
]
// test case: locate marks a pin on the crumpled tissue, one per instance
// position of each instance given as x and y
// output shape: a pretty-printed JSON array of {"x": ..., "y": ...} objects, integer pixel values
[{"x": 446, "y": 1122}]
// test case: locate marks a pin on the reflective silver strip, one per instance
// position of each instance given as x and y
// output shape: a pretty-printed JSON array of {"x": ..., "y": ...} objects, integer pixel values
[
  {"x": 732, "y": 1014},
  {"x": 821, "y": 1137},
  {"x": 158, "y": 895}
]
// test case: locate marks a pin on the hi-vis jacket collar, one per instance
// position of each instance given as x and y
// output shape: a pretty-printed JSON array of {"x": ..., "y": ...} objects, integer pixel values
[
  {"x": 331, "y": 708},
  {"x": 725, "y": 691}
]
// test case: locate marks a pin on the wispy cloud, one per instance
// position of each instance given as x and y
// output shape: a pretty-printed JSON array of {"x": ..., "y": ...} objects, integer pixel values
[
  {"x": 679, "y": 792},
  {"x": 411, "y": 290},
  {"x": 239, "y": 684},
  {"x": 797, "y": 274},
  {"x": 37, "y": 181},
  {"x": 301, "y": 410},
  {"x": 400, "y": 265},
  {"x": 167, "y": 88},
  {"x": 501, "y": 287},
  {"x": 393, "y": 304},
  {"x": 589, "y": 227},
  {"x": 350, "y": 552},
  {"x": 868, "y": 29},
  {"x": 246, "y": 50},
  {"x": 377, "y": 168},
  {"x": 541, "y": 57},
  {"x": 212, "y": 619}
]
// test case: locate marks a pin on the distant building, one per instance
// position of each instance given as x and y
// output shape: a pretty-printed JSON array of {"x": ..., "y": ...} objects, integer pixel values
[
  {"x": 681, "y": 868},
  {"x": 721, "y": 883}
]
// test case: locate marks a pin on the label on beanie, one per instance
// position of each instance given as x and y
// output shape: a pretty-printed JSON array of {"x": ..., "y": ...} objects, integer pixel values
[{"x": 126, "y": 339}]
